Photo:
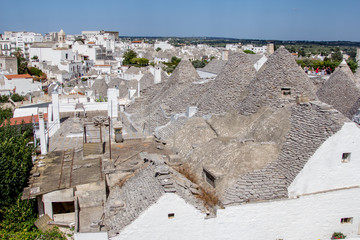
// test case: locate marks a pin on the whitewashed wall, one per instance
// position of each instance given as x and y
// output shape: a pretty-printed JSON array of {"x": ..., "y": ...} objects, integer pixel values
[
  {"x": 325, "y": 170},
  {"x": 154, "y": 222},
  {"x": 23, "y": 86},
  {"x": 308, "y": 217},
  {"x": 260, "y": 63}
]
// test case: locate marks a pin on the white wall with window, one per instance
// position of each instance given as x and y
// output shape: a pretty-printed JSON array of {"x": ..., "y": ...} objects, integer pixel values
[
  {"x": 315, "y": 216},
  {"x": 334, "y": 165}
]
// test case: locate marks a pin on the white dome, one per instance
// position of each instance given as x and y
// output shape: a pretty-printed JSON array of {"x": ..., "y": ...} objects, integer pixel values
[{"x": 61, "y": 32}]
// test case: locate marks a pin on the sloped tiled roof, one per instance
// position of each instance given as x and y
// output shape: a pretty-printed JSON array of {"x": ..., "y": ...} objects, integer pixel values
[{"x": 18, "y": 76}]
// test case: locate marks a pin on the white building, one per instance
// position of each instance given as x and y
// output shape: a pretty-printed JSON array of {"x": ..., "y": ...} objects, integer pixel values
[
  {"x": 262, "y": 49},
  {"x": 5, "y": 47},
  {"x": 22, "y": 40},
  {"x": 21, "y": 84},
  {"x": 163, "y": 45}
]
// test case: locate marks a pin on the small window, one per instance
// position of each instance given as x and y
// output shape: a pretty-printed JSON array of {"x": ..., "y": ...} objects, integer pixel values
[
  {"x": 346, "y": 220},
  {"x": 209, "y": 178},
  {"x": 171, "y": 215},
  {"x": 345, "y": 157},
  {"x": 286, "y": 91}
]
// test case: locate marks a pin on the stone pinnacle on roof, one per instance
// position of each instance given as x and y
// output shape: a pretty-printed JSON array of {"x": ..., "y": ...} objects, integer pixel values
[
  {"x": 279, "y": 80},
  {"x": 184, "y": 73},
  {"x": 340, "y": 90}
]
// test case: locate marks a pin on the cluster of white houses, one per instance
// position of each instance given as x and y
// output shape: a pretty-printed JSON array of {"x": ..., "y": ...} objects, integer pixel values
[{"x": 247, "y": 147}]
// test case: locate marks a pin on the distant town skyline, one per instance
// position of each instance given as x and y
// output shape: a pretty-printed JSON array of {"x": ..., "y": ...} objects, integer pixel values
[{"x": 316, "y": 20}]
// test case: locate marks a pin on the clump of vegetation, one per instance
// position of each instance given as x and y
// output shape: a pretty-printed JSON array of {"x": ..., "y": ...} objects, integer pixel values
[
  {"x": 17, "y": 98},
  {"x": 338, "y": 235},
  {"x": 170, "y": 66},
  {"x": 17, "y": 217},
  {"x": 140, "y": 62},
  {"x": 21, "y": 61},
  {"x": 316, "y": 63},
  {"x": 101, "y": 99},
  {"x": 130, "y": 58},
  {"x": 4, "y": 98},
  {"x": 247, "y": 51},
  {"x": 5, "y": 113},
  {"x": 207, "y": 195},
  {"x": 199, "y": 63}
]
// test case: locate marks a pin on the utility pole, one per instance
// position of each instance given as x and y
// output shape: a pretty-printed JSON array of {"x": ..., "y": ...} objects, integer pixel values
[{"x": 110, "y": 137}]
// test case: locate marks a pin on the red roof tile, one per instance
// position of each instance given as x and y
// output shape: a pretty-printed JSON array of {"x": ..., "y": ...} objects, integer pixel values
[
  {"x": 18, "y": 76},
  {"x": 26, "y": 119}
]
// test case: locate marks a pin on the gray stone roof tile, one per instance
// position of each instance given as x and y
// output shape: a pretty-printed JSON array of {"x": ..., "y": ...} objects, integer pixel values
[
  {"x": 280, "y": 73},
  {"x": 340, "y": 91},
  {"x": 138, "y": 193}
]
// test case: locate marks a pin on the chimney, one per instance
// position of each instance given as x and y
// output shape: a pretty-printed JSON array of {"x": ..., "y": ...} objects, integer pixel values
[
  {"x": 112, "y": 94},
  {"x": 225, "y": 55},
  {"x": 157, "y": 75},
  {"x": 56, "y": 109},
  {"x": 43, "y": 142}
]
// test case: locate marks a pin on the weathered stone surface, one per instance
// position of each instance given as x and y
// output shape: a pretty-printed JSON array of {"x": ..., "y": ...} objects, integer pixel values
[
  {"x": 310, "y": 127},
  {"x": 229, "y": 86},
  {"x": 214, "y": 66},
  {"x": 278, "y": 73},
  {"x": 138, "y": 193},
  {"x": 341, "y": 92}
]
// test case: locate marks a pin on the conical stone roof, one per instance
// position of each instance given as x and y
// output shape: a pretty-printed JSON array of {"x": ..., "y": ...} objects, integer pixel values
[
  {"x": 184, "y": 73},
  {"x": 229, "y": 86},
  {"x": 147, "y": 80},
  {"x": 280, "y": 80},
  {"x": 214, "y": 66},
  {"x": 340, "y": 90},
  {"x": 100, "y": 87}
]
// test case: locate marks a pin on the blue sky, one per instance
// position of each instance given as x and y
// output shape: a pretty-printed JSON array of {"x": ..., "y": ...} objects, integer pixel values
[{"x": 245, "y": 19}]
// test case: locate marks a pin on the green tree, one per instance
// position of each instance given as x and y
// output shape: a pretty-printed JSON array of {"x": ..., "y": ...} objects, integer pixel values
[
  {"x": 175, "y": 60},
  {"x": 21, "y": 61},
  {"x": 128, "y": 55},
  {"x": 140, "y": 62},
  {"x": 170, "y": 66},
  {"x": 302, "y": 53},
  {"x": 158, "y": 49},
  {"x": 35, "y": 71},
  {"x": 4, "y": 98},
  {"x": 353, "y": 65},
  {"x": 198, "y": 63},
  {"x": 247, "y": 51},
  {"x": 17, "y": 98},
  {"x": 5, "y": 114},
  {"x": 337, "y": 56},
  {"x": 15, "y": 162}
]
